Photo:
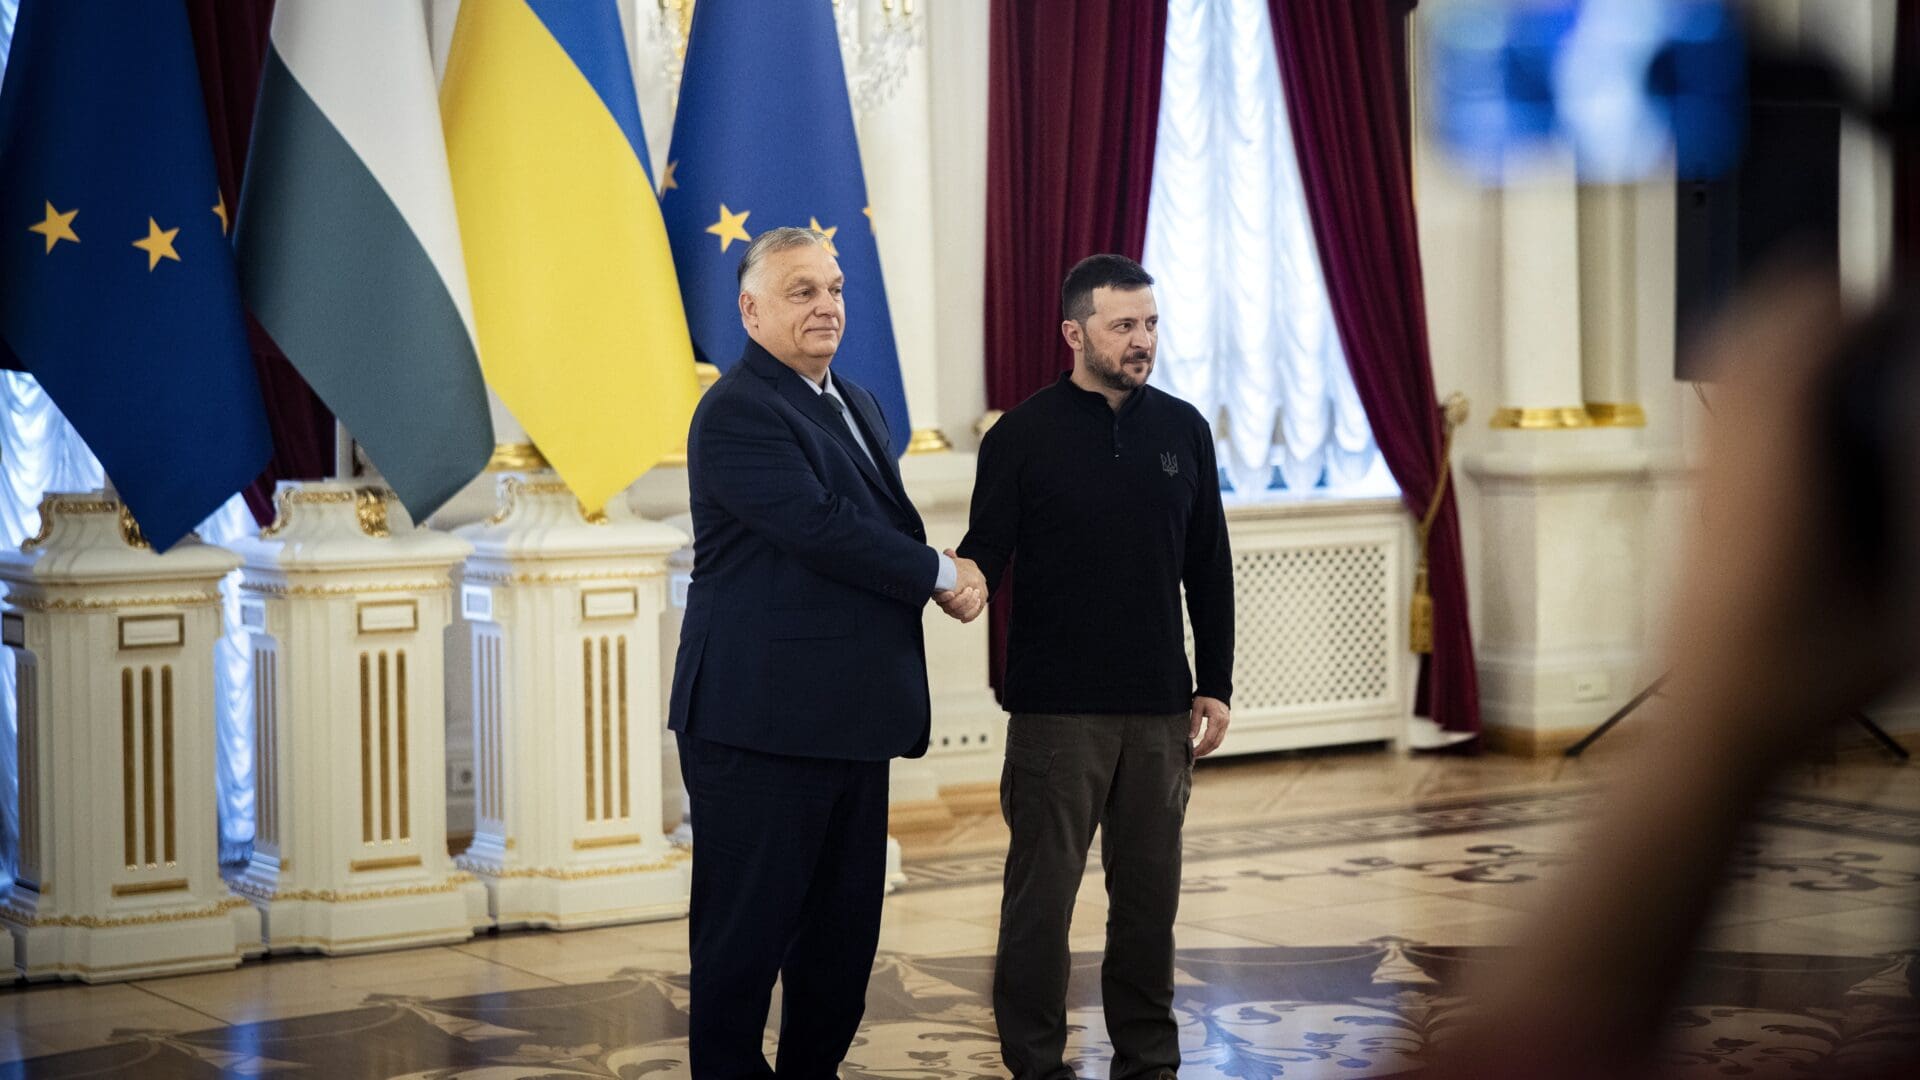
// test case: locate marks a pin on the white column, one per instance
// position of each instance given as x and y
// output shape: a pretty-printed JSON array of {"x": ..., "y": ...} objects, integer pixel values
[
  {"x": 956, "y": 54},
  {"x": 1540, "y": 315},
  {"x": 348, "y": 603},
  {"x": 119, "y": 872},
  {"x": 1608, "y": 360},
  {"x": 563, "y": 618},
  {"x": 896, "y": 154}
]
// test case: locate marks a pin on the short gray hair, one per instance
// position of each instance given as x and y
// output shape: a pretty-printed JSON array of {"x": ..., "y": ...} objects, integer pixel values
[{"x": 784, "y": 238}]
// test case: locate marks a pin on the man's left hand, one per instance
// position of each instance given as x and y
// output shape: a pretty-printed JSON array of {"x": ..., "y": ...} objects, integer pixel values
[{"x": 1214, "y": 714}]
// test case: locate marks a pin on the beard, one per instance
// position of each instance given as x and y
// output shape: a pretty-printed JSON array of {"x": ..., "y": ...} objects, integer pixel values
[{"x": 1112, "y": 371}]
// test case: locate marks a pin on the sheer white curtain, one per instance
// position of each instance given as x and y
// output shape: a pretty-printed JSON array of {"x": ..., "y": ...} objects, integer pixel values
[
  {"x": 1245, "y": 331},
  {"x": 40, "y": 452}
]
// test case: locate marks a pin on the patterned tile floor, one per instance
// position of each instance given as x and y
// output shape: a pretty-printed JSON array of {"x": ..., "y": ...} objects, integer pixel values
[{"x": 1331, "y": 902}]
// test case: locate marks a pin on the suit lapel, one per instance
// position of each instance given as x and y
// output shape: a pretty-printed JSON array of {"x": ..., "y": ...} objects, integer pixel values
[
  {"x": 792, "y": 386},
  {"x": 871, "y": 425}
]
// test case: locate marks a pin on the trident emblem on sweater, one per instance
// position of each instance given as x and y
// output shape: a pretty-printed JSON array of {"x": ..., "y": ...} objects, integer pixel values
[{"x": 1170, "y": 464}]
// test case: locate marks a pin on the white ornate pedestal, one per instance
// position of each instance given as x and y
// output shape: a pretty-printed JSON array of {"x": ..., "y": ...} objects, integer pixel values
[
  {"x": 563, "y": 619},
  {"x": 347, "y": 617},
  {"x": 118, "y": 863}
]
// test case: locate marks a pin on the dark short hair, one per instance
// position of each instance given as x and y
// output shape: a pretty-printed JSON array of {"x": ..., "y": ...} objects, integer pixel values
[{"x": 1095, "y": 272}]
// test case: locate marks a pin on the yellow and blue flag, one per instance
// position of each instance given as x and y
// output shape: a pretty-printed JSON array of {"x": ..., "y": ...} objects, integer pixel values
[
  {"x": 574, "y": 297},
  {"x": 764, "y": 137},
  {"x": 117, "y": 288}
]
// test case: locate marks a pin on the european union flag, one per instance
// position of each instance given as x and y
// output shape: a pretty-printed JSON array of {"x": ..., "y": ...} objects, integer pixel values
[
  {"x": 764, "y": 137},
  {"x": 117, "y": 288}
]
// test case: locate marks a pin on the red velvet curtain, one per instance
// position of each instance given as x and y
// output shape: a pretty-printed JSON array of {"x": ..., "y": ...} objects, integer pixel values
[
  {"x": 1072, "y": 115},
  {"x": 1906, "y": 151},
  {"x": 230, "y": 39},
  {"x": 1346, "y": 99}
]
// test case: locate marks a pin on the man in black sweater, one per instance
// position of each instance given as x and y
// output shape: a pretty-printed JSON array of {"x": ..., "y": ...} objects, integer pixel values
[{"x": 1104, "y": 491}]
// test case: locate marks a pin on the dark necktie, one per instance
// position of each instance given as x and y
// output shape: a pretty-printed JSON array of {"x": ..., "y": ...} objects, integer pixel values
[{"x": 840, "y": 410}]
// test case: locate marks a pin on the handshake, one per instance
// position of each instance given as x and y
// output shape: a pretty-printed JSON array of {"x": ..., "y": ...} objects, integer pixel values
[{"x": 968, "y": 597}]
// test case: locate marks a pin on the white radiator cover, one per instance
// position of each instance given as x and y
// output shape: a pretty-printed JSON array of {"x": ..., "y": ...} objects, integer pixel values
[{"x": 1320, "y": 623}]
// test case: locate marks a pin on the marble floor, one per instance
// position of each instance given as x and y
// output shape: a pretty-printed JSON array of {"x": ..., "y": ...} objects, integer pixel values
[{"x": 1330, "y": 903}]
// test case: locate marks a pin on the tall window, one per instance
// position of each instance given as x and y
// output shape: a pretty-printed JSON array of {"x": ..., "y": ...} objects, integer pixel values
[{"x": 1246, "y": 333}]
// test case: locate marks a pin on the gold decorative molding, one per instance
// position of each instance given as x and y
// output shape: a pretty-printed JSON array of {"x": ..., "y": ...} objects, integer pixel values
[
  {"x": 397, "y": 862},
  {"x": 286, "y": 498},
  {"x": 517, "y": 457},
  {"x": 96, "y": 922},
  {"x": 130, "y": 532},
  {"x": 370, "y": 504},
  {"x": 928, "y": 441},
  {"x": 331, "y": 896},
  {"x": 1616, "y": 414},
  {"x": 67, "y": 504},
  {"x": 987, "y": 420},
  {"x": 143, "y": 888},
  {"x": 1516, "y": 419},
  {"x": 514, "y": 487},
  {"x": 588, "y": 843},
  {"x": 532, "y": 578},
  {"x": 273, "y": 588},
  {"x": 39, "y": 603},
  {"x": 551, "y": 873}
]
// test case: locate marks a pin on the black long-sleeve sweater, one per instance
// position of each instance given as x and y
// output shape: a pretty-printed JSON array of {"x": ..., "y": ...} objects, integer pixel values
[{"x": 1107, "y": 513}]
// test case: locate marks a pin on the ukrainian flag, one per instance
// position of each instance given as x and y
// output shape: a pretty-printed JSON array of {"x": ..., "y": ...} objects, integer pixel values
[{"x": 575, "y": 301}]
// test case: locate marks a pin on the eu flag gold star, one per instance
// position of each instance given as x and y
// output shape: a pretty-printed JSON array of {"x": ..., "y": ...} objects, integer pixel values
[
  {"x": 730, "y": 227},
  {"x": 814, "y": 224},
  {"x": 868, "y": 210},
  {"x": 220, "y": 211},
  {"x": 57, "y": 227},
  {"x": 158, "y": 244},
  {"x": 667, "y": 182}
]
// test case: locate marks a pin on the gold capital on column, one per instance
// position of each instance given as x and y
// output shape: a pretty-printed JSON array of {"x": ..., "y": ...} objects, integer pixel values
[
  {"x": 516, "y": 457},
  {"x": 1616, "y": 414},
  {"x": 1518, "y": 419}
]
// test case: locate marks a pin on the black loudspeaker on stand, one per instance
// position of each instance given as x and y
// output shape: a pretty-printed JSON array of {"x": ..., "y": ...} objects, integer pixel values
[{"x": 1878, "y": 733}]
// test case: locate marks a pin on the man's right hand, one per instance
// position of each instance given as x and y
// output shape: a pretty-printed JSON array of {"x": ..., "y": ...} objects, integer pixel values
[{"x": 968, "y": 597}]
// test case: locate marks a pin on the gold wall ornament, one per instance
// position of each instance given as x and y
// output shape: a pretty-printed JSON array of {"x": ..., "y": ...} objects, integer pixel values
[
  {"x": 513, "y": 487},
  {"x": 55, "y": 505},
  {"x": 986, "y": 422},
  {"x": 286, "y": 498},
  {"x": 928, "y": 441},
  {"x": 130, "y": 533},
  {"x": 517, "y": 457},
  {"x": 1616, "y": 414},
  {"x": 1518, "y": 419},
  {"x": 370, "y": 505}
]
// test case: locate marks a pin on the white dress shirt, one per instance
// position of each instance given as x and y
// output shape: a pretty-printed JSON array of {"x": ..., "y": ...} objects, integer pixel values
[{"x": 948, "y": 575}]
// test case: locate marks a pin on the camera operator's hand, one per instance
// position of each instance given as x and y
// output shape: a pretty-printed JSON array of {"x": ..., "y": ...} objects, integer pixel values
[{"x": 1775, "y": 633}]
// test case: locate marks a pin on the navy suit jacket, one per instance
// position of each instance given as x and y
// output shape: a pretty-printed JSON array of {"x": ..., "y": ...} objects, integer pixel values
[{"x": 810, "y": 570}]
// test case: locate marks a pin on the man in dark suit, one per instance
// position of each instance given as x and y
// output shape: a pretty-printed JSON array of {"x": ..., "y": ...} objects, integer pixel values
[{"x": 801, "y": 672}]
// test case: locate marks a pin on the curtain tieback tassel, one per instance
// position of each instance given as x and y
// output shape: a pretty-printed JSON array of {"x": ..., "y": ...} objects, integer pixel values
[{"x": 1420, "y": 618}]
